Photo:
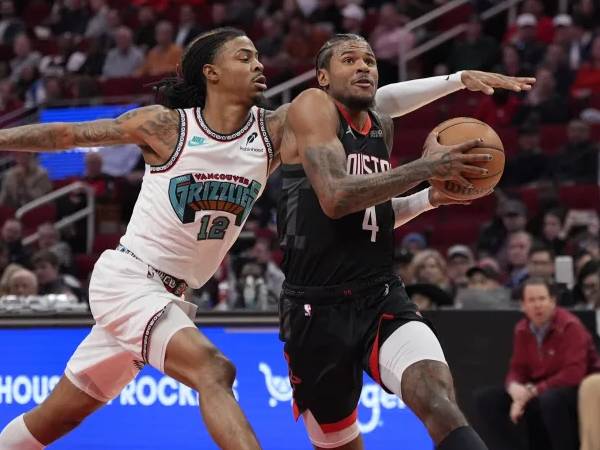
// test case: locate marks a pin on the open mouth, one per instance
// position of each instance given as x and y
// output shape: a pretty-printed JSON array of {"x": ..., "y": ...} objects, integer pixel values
[
  {"x": 364, "y": 83},
  {"x": 261, "y": 82}
]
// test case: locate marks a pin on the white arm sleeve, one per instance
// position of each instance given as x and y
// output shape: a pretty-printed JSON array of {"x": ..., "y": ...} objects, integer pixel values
[
  {"x": 407, "y": 208},
  {"x": 398, "y": 99}
]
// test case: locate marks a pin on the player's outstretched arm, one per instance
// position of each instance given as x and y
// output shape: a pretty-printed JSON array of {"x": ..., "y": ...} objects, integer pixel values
[
  {"x": 398, "y": 99},
  {"x": 312, "y": 117},
  {"x": 151, "y": 125}
]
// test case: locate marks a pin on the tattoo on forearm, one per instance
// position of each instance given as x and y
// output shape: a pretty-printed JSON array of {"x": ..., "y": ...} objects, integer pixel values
[
  {"x": 160, "y": 125},
  {"x": 356, "y": 192},
  {"x": 30, "y": 137}
]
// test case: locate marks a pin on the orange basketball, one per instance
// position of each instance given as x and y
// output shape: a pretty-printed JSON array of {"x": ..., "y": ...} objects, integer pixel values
[{"x": 461, "y": 129}]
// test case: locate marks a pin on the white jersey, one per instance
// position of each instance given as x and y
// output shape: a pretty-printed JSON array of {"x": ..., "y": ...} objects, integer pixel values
[{"x": 191, "y": 209}]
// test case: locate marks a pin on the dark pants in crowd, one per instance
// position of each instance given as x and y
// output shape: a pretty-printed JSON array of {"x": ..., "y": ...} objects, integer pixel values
[{"x": 549, "y": 421}]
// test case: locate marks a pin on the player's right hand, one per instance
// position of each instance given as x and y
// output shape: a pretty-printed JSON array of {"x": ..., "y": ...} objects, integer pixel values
[{"x": 449, "y": 162}]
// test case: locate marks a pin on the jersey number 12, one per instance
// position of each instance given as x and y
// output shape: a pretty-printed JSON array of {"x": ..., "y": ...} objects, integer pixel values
[
  {"x": 370, "y": 222},
  {"x": 216, "y": 230}
]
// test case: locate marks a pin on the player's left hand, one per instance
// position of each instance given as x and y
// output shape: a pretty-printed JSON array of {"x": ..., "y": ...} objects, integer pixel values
[
  {"x": 438, "y": 198},
  {"x": 486, "y": 82}
]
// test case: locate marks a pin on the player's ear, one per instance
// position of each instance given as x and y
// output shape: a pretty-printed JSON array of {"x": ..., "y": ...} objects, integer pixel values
[
  {"x": 211, "y": 72},
  {"x": 323, "y": 78}
]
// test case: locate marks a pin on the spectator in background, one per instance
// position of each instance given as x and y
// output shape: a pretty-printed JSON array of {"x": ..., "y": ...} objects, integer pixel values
[
  {"x": 460, "y": 259},
  {"x": 91, "y": 61},
  {"x": 5, "y": 278},
  {"x": 24, "y": 58},
  {"x": 25, "y": 181},
  {"x": 525, "y": 41},
  {"x": 474, "y": 51},
  {"x": 188, "y": 26},
  {"x": 66, "y": 60},
  {"x": 327, "y": 13},
  {"x": 511, "y": 64},
  {"x": 98, "y": 23},
  {"x": 9, "y": 98},
  {"x": 552, "y": 353},
  {"x": 428, "y": 296},
  {"x": 543, "y": 104},
  {"x": 530, "y": 164},
  {"x": 49, "y": 239},
  {"x": 429, "y": 267},
  {"x": 580, "y": 43},
  {"x": 303, "y": 40},
  {"x": 145, "y": 30},
  {"x": 125, "y": 59},
  {"x": 402, "y": 265},
  {"x": 165, "y": 56},
  {"x": 498, "y": 110},
  {"x": 22, "y": 282},
  {"x": 587, "y": 80},
  {"x": 565, "y": 37},
  {"x": 273, "y": 276},
  {"x": 414, "y": 243},
  {"x": 556, "y": 61},
  {"x": 540, "y": 264},
  {"x": 577, "y": 160},
  {"x": 46, "y": 266},
  {"x": 219, "y": 15},
  {"x": 517, "y": 251},
  {"x": 353, "y": 17},
  {"x": 389, "y": 39},
  {"x": 12, "y": 235},
  {"x": 511, "y": 216},
  {"x": 552, "y": 230},
  {"x": 102, "y": 183},
  {"x": 4, "y": 256},
  {"x": 588, "y": 286},
  {"x": 270, "y": 45},
  {"x": 483, "y": 290},
  {"x": 69, "y": 17},
  {"x": 10, "y": 24}
]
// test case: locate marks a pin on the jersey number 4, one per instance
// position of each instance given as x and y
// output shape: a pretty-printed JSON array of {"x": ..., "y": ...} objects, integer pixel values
[
  {"x": 370, "y": 222},
  {"x": 216, "y": 230}
]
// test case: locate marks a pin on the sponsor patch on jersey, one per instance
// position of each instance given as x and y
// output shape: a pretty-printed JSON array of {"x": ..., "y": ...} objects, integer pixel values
[
  {"x": 196, "y": 140},
  {"x": 248, "y": 147},
  {"x": 191, "y": 193},
  {"x": 376, "y": 133}
]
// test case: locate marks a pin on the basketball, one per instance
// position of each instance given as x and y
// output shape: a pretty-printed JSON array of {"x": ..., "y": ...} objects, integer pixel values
[{"x": 461, "y": 129}]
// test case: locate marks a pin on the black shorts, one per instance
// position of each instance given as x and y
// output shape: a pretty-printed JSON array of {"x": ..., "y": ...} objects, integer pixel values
[{"x": 331, "y": 335}]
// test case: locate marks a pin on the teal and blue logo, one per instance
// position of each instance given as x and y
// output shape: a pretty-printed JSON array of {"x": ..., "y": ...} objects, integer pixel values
[
  {"x": 234, "y": 194},
  {"x": 196, "y": 140}
]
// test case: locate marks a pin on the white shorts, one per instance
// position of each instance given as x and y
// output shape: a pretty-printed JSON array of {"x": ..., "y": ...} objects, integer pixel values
[{"x": 135, "y": 319}]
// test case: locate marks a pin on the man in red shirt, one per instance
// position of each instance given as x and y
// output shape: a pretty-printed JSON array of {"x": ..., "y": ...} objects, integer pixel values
[{"x": 552, "y": 353}]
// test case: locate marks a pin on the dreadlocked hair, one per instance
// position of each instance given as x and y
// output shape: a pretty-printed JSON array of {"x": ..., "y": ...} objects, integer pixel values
[
  {"x": 324, "y": 55},
  {"x": 188, "y": 89}
]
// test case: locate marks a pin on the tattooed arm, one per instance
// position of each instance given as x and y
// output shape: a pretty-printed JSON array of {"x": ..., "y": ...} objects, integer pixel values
[
  {"x": 153, "y": 126},
  {"x": 313, "y": 119}
]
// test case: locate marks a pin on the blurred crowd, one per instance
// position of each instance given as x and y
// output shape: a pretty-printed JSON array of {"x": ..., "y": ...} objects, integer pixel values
[{"x": 64, "y": 49}]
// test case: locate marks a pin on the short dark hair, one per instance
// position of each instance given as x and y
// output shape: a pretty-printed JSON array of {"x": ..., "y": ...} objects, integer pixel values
[
  {"x": 189, "y": 89},
  {"x": 326, "y": 51},
  {"x": 539, "y": 247},
  {"x": 537, "y": 281},
  {"x": 45, "y": 256}
]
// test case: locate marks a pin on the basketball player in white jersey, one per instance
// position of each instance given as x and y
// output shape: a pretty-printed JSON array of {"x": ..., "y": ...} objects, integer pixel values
[
  {"x": 205, "y": 168},
  {"x": 208, "y": 155}
]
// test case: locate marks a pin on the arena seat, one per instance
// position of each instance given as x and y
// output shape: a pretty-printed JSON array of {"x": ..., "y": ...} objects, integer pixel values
[
  {"x": 42, "y": 214},
  {"x": 84, "y": 263},
  {"x": 105, "y": 241},
  {"x": 580, "y": 196}
]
